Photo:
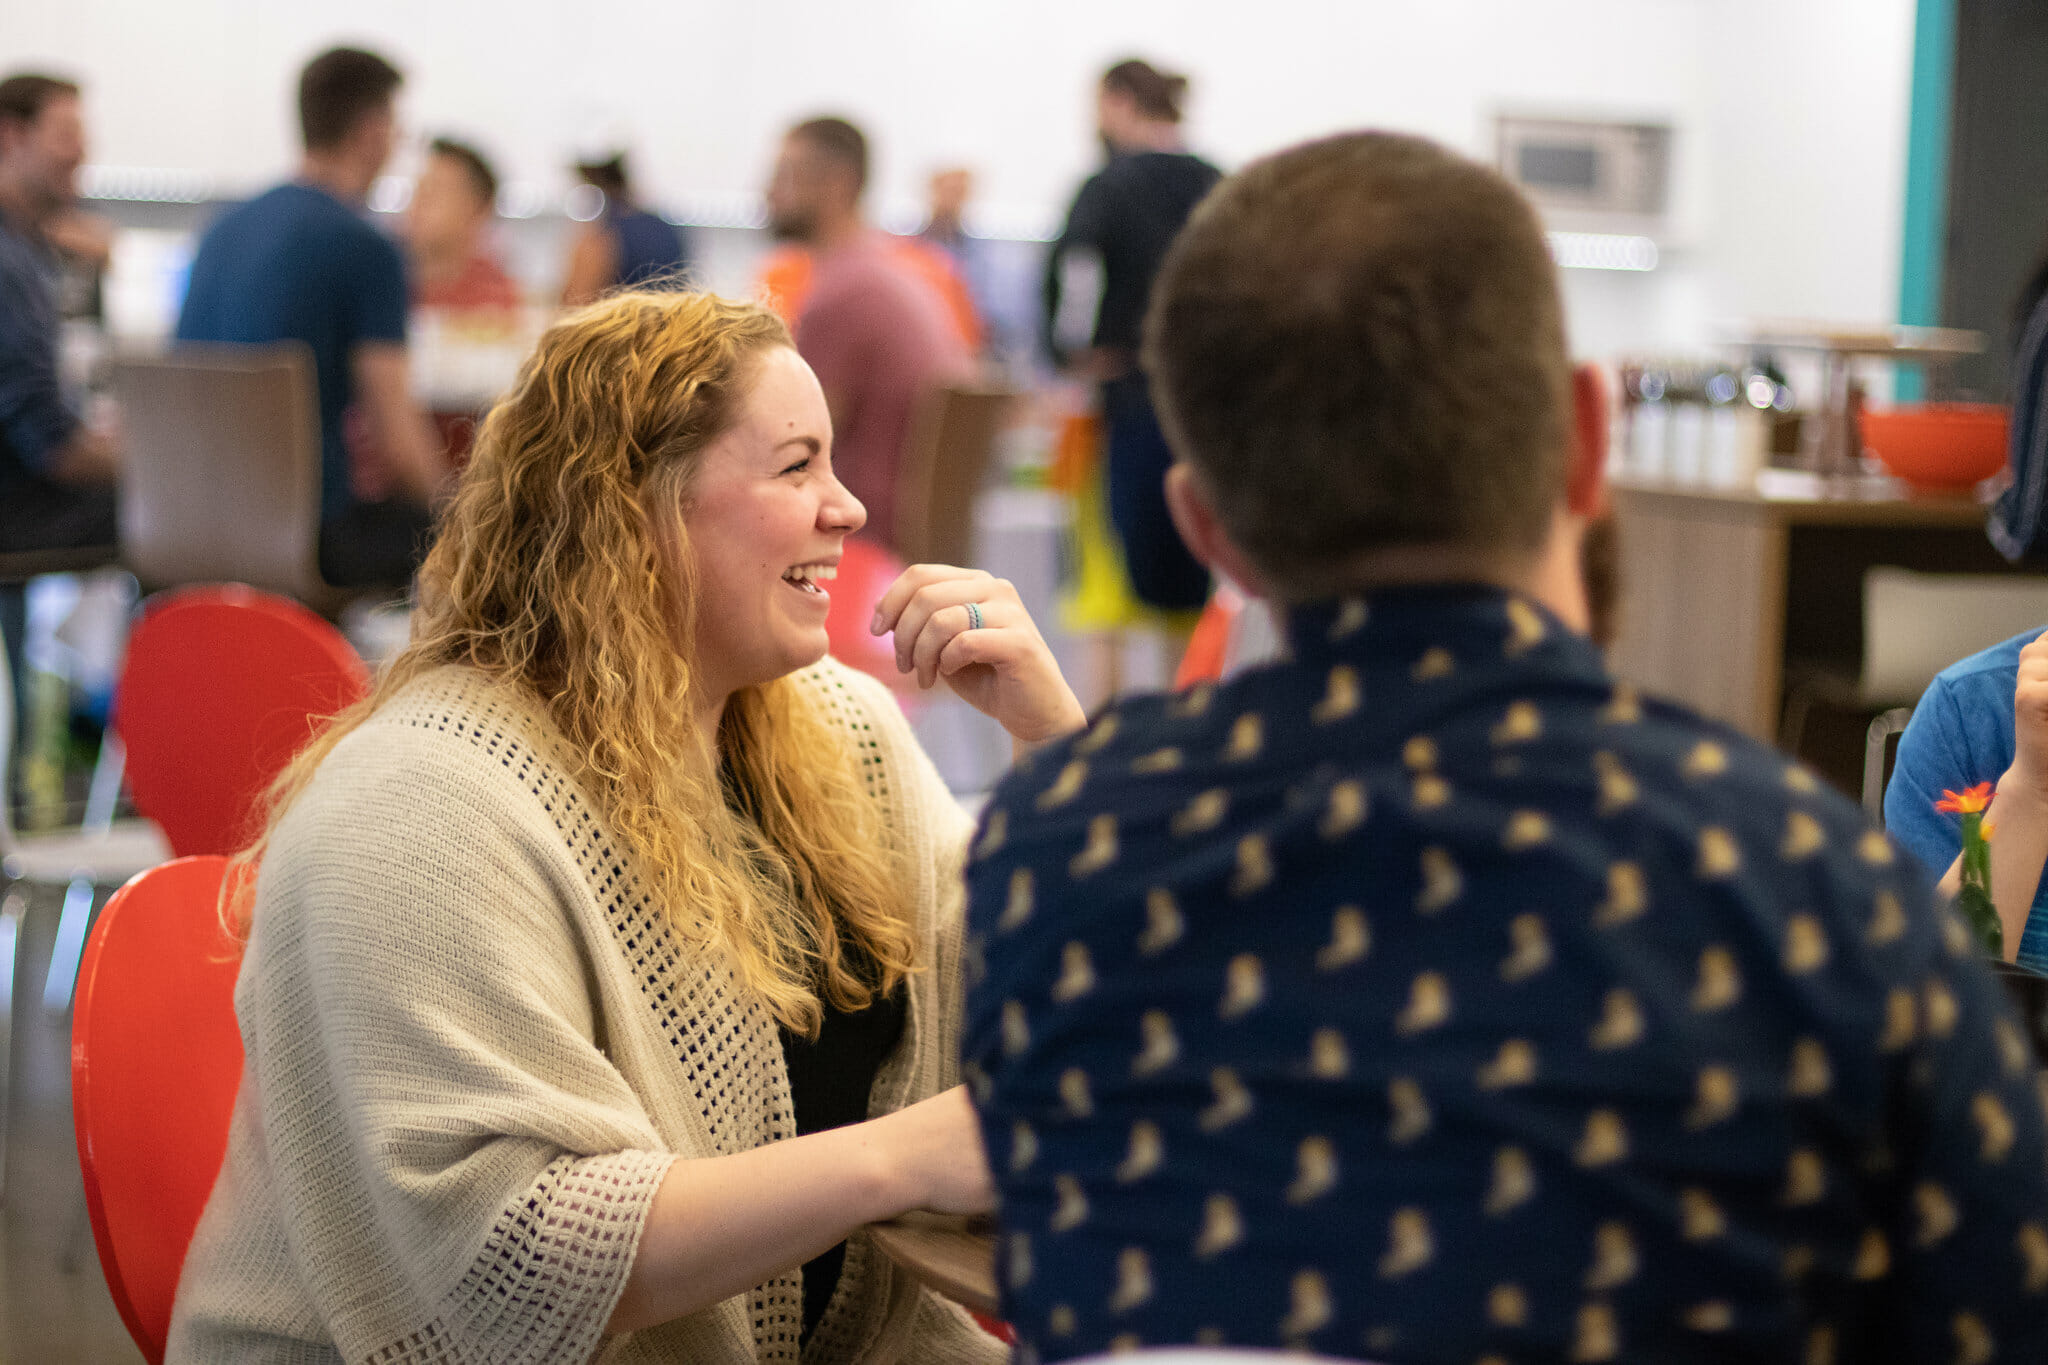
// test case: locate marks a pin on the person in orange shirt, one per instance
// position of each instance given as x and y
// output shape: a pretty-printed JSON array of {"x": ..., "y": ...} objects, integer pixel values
[{"x": 785, "y": 283}]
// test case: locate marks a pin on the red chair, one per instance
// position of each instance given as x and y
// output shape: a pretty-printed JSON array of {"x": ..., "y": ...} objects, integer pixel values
[
  {"x": 221, "y": 687},
  {"x": 155, "y": 1061},
  {"x": 1208, "y": 652}
]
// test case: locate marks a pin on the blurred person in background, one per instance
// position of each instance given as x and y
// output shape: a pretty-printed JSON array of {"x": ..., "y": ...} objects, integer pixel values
[
  {"x": 624, "y": 246},
  {"x": 1098, "y": 277},
  {"x": 872, "y": 326},
  {"x": 447, "y": 231},
  {"x": 300, "y": 263},
  {"x": 57, "y": 471}
]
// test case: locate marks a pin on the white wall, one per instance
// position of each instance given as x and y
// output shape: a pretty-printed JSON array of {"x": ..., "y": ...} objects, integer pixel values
[{"x": 1791, "y": 113}]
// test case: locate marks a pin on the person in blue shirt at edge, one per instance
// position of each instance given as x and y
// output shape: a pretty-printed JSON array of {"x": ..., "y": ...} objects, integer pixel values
[
  {"x": 300, "y": 263},
  {"x": 625, "y": 246},
  {"x": 1429, "y": 996}
]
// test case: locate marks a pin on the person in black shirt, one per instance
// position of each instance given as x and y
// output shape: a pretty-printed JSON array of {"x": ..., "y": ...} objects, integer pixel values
[{"x": 1117, "y": 233}]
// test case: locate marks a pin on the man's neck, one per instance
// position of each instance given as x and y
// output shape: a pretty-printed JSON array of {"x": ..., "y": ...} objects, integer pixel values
[
  {"x": 838, "y": 232},
  {"x": 443, "y": 262},
  {"x": 24, "y": 210},
  {"x": 337, "y": 174}
]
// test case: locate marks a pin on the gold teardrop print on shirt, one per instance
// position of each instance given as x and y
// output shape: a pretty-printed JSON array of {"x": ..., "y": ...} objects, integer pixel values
[
  {"x": 1974, "y": 1342},
  {"x": 1797, "y": 1264},
  {"x": 1700, "y": 1218},
  {"x": 1801, "y": 780},
  {"x": 1163, "y": 923},
  {"x": 1617, "y": 785},
  {"x": 1811, "y": 1075},
  {"x": 1955, "y": 936},
  {"x": 1901, "y": 1021},
  {"x": 1887, "y": 920},
  {"x": 1715, "y": 1098},
  {"x": 2032, "y": 1244},
  {"x": 1719, "y": 984},
  {"x": 1938, "y": 1218},
  {"x": 1328, "y": 1058},
  {"x": 1023, "y": 1146},
  {"x": 1712, "y": 1316},
  {"x": 1411, "y": 1244},
  {"x": 1940, "y": 1009},
  {"x": 1430, "y": 792},
  {"x": 1350, "y": 620},
  {"x": 1514, "y": 1182},
  {"x": 1804, "y": 837},
  {"x": 1526, "y": 829},
  {"x": 1244, "y": 987},
  {"x": 1522, "y": 723},
  {"x": 1146, "y": 1155},
  {"x": 1060, "y": 1322},
  {"x": 1530, "y": 953},
  {"x": 1419, "y": 753},
  {"x": 1254, "y": 866},
  {"x": 1806, "y": 1179},
  {"x": 1222, "y": 1228},
  {"x": 1873, "y": 1256},
  {"x": 1159, "y": 1048},
  {"x": 1340, "y": 696},
  {"x": 1615, "y": 1260},
  {"x": 1098, "y": 735},
  {"x": 1720, "y": 855},
  {"x": 1077, "y": 974},
  {"x": 1158, "y": 761},
  {"x": 1100, "y": 851},
  {"x": 1133, "y": 1280},
  {"x": 1604, "y": 1142},
  {"x": 1525, "y": 627},
  {"x": 1065, "y": 787},
  {"x": 1820, "y": 1345},
  {"x": 1706, "y": 760},
  {"x": 1806, "y": 945},
  {"x": 1994, "y": 1126},
  {"x": 1017, "y": 909},
  {"x": 1202, "y": 814},
  {"x": 1247, "y": 737},
  {"x": 1514, "y": 1064},
  {"x": 1125, "y": 1343},
  {"x": 1627, "y": 896},
  {"x": 994, "y": 835},
  {"x": 1016, "y": 1029},
  {"x": 1598, "y": 1337},
  {"x": 1625, "y": 707},
  {"x": 1346, "y": 810},
  {"x": 2014, "y": 1052},
  {"x": 1442, "y": 883},
  {"x": 1436, "y": 662},
  {"x": 1874, "y": 848},
  {"x": 1192, "y": 702},
  {"x": 1429, "y": 1005},
  {"x": 1621, "y": 1022},
  {"x": 1410, "y": 1110},
  {"x": 1074, "y": 1094},
  {"x": 1232, "y": 1103},
  {"x": 1019, "y": 1258},
  {"x": 1309, "y": 1307},
  {"x": 1507, "y": 1305},
  {"x": 1350, "y": 940},
  {"x": 1070, "y": 1204},
  {"x": 1315, "y": 1171}
]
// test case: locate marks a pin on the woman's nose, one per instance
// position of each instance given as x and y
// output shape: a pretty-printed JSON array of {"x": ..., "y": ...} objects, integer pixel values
[{"x": 841, "y": 512}]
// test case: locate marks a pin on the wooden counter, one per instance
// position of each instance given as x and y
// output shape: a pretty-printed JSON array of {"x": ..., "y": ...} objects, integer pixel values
[{"x": 1719, "y": 588}]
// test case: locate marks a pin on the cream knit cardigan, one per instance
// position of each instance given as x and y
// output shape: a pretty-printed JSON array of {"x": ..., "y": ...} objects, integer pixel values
[{"x": 474, "y": 1047}]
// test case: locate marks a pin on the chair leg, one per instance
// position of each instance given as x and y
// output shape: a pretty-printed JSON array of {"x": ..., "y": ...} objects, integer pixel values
[
  {"x": 107, "y": 772},
  {"x": 13, "y": 914},
  {"x": 1875, "y": 740},
  {"x": 69, "y": 950}
]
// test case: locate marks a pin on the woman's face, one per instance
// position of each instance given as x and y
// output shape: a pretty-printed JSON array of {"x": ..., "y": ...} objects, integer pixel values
[{"x": 765, "y": 521}]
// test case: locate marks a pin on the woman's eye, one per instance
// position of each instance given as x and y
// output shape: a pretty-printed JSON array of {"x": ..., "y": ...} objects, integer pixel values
[{"x": 799, "y": 466}]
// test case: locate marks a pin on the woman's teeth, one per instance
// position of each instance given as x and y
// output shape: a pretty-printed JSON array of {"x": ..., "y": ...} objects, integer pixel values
[{"x": 807, "y": 576}]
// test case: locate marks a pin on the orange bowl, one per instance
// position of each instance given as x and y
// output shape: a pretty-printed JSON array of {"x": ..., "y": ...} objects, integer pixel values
[{"x": 1939, "y": 445}]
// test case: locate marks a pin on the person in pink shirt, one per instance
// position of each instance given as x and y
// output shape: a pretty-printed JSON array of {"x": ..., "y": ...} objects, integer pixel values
[{"x": 875, "y": 331}]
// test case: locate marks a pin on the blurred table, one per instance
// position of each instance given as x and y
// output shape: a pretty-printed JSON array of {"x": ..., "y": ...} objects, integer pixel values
[
  {"x": 1719, "y": 587},
  {"x": 951, "y": 1254}
]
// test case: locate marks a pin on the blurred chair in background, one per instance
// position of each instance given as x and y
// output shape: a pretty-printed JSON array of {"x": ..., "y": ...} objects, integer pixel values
[{"x": 946, "y": 460}]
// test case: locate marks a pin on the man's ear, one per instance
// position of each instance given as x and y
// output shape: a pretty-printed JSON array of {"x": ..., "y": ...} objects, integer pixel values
[
  {"x": 1586, "y": 476},
  {"x": 1194, "y": 515}
]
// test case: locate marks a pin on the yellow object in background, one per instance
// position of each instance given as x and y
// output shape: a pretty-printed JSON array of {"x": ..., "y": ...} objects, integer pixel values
[{"x": 1096, "y": 594}]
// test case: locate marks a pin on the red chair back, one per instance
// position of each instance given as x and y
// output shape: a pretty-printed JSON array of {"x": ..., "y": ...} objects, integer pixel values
[
  {"x": 221, "y": 687},
  {"x": 155, "y": 1061},
  {"x": 1208, "y": 652}
]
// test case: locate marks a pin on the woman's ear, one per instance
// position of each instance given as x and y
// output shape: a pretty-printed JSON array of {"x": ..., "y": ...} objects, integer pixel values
[{"x": 1193, "y": 507}]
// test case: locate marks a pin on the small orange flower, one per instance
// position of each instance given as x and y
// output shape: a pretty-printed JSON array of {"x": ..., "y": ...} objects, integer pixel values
[{"x": 1969, "y": 802}]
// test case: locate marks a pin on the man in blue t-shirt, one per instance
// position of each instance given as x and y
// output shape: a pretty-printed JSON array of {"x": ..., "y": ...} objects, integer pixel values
[
  {"x": 299, "y": 263},
  {"x": 1984, "y": 719}
]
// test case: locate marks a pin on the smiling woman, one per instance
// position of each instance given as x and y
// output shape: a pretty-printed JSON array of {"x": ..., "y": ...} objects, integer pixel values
[{"x": 603, "y": 967}]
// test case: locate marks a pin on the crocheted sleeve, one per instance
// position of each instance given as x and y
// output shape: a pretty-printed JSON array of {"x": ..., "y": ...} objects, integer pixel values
[{"x": 464, "y": 1173}]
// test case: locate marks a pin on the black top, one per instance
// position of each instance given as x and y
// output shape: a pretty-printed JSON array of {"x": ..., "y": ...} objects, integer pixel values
[
  {"x": 1128, "y": 212},
  {"x": 829, "y": 1081}
]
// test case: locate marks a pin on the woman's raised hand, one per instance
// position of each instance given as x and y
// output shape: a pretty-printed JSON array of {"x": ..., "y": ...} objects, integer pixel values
[{"x": 972, "y": 630}]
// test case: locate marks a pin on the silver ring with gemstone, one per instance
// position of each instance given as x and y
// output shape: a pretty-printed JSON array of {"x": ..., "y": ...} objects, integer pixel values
[{"x": 974, "y": 616}]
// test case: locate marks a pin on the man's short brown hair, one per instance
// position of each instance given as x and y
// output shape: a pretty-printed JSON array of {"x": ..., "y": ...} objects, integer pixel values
[
  {"x": 23, "y": 96},
  {"x": 840, "y": 141},
  {"x": 1359, "y": 345},
  {"x": 338, "y": 89}
]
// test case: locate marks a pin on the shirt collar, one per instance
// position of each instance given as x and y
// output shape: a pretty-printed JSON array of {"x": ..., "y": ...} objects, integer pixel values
[{"x": 1440, "y": 629}]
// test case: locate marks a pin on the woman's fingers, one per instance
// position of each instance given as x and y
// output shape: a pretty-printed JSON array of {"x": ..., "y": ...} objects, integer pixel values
[{"x": 908, "y": 584}]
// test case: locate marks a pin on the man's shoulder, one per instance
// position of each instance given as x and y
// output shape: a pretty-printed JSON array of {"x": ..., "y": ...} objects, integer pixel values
[{"x": 1995, "y": 669}]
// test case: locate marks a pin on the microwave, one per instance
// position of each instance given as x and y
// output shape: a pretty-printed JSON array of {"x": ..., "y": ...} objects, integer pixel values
[{"x": 1589, "y": 175}]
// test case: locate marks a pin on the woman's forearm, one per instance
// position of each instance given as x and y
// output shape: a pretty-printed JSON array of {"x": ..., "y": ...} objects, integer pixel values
[{"x": 721, "y": 1225}]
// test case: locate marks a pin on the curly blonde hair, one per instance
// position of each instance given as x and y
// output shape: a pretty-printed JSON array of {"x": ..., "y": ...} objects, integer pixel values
[{"x": 563, "y": 567}]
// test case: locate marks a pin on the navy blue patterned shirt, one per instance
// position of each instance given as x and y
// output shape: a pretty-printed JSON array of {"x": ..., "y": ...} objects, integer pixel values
[{"x": 1432, "y": 998}]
